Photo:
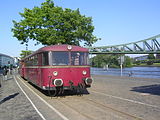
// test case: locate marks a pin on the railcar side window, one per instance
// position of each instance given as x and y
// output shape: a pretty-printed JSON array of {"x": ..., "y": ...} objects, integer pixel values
[
  {"x": 35, "y": 60},
  {"x": 45, "y": 60},
  {"x": 79, "y": 58},
  {"x": 60, "y": 58},
  {"x": 32, "y": 61}
]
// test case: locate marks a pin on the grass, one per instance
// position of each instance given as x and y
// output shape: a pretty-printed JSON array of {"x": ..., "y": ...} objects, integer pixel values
[{"x": 145, "y": 65}]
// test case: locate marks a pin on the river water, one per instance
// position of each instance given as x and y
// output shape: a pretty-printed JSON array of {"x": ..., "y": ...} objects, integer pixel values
[{"x": 144, "y": 72}]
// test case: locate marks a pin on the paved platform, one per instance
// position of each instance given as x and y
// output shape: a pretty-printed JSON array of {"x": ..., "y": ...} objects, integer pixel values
[
  {"x": 109, "y": 98},
  {"x": 13, "y": 103}
]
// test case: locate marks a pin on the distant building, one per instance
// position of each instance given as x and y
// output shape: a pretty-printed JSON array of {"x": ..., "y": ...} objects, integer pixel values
[
  {"x": 140, "y": 58},
  {"x": 16, "y": 61},
  {"x": 5, "y": 60},
  {"x": 157, "y": 56}
]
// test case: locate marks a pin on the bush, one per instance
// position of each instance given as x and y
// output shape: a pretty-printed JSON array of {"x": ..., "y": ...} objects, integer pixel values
[
  {"x": 114, "y": 66},
  {"x": 150, "y": 62},
  {"x": 137, "y": 62}
]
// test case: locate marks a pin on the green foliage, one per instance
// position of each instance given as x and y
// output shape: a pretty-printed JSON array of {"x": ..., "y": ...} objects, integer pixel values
[
  {"x": 50, "y": 24},
  {"x": 137, "y": 62},
  {"x": 25, "y": 53},
  {"x": 128, "y": 61},
  {"x": 114, "y": 66},
  {"x": 151, "y": 56},
  {"x": 150, "y": 62},
  {"x": 111, "y": 60}
]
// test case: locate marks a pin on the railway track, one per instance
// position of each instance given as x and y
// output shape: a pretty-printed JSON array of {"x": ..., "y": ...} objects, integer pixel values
[
  {"x": 115, "y": 110},
  {"x": 127, "y": 100},
  {"x": 81, "y": 113},
  {"x": 99, "y": 106}
]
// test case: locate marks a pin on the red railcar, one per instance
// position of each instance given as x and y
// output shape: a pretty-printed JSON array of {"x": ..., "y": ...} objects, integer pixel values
[{"x": 64, "y": 67}]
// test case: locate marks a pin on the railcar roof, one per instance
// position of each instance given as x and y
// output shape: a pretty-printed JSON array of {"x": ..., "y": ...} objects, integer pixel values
[
  {"x": 59, "y": 48},
  {"x": 62, "y": 48}
]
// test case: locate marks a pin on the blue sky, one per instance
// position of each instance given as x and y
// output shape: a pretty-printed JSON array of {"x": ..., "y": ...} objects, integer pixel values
[{"x": 115, "y": 21}]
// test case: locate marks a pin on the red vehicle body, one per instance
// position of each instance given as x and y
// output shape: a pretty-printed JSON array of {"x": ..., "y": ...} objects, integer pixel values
[{"x": 58, "y": 66}]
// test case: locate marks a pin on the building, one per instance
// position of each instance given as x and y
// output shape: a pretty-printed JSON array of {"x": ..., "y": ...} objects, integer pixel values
[
  {"x": 157, "y": 56},
  {"x": 140, "y": 58},
  {"x": 16, "y": 61},
  {"x": 5, "y": 60}
]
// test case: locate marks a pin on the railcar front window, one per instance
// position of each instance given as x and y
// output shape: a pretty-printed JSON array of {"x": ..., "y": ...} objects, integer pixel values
[
  {"x": 60, "y": 58},
  {"x": 79, "y": 58}
]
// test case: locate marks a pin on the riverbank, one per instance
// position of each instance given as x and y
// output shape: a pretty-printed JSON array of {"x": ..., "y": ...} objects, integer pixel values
[{"x": 145, "y": 65}]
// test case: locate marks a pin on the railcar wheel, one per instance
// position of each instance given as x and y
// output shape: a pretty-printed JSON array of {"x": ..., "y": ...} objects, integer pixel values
[
  {"x": 52, "y": 93},
  {"x": 80, "y": 90},
  {"x": 60, "y": 91}
]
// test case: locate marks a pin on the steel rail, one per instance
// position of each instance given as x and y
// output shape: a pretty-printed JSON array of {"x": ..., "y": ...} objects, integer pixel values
[{"x": 103, "y": 106}]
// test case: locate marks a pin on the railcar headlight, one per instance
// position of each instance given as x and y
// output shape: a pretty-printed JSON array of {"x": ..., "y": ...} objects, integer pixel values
[
  {"x": 84, "y": 72},
  {"x": 58, "y": 82},
  {"x": 69, "y": 47},
  {"x": 88, "y": 81},
  {"x": 55, "y": 73}
]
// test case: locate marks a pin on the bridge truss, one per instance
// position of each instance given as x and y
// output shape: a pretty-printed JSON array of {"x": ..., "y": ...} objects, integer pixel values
[{"x": 146, "y": 46}]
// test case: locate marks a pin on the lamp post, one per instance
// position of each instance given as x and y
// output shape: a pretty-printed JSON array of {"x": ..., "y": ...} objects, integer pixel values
[{"x": 121, "y": 61}]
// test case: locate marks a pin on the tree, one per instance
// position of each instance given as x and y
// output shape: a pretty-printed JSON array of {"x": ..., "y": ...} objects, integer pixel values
[
  {"x": 110, "y": 59},
  {"x": 25, "y": 53},
  {"x": 128, "y": 61},
  {"x": 151, "y": 56},
  {"x": 101, "y": 60},
  {"x": 50, "y": 24}
]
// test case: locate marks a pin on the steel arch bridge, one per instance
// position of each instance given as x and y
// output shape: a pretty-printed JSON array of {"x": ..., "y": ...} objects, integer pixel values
[{"x": 146, "y": 46}]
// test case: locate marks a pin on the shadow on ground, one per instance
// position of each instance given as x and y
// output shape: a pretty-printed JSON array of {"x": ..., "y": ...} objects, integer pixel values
[
  {"x": 65, "y": 93},
  {"x": 8, "y": 98},
  {"x": 151, "y": 89}
]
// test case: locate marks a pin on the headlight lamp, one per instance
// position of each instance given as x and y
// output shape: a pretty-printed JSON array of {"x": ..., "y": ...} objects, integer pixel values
[
  {"x": 55, "y": 73},
  {"x": 84, "y": 72}
]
